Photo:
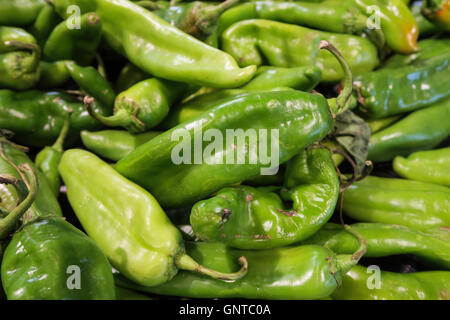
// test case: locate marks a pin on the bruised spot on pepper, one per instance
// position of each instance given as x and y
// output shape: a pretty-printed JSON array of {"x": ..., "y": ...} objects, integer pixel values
[
  {"x": 237, "y": 236},
  {"x": 287, "y": 213},
  {"x": 223, "y": 235},
  {"x": 261, "y": 236},
  {"x": 248, "y": 198},
  {"x": 444, "y": 294}
]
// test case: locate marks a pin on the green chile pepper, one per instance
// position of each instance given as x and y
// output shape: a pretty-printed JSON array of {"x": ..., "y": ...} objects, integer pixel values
[
  {"x": 297, "y": 118},
  {"x": 37, "y": 117},
  {"x": 247, "y": 218},
  {"x": 44, "y": 24},
  {"x": 414, "y": 204},
  {"x": 143, "y": 106},
  {"x": 129, "y": 225},
  {"x": 432, "y": 246},
  {"x": 78, "y": 44},
  {"x": 10, "y": 34},
  {"x": 410, "y": 87},
  {"x": 428, "y": 285},
  {"x": 379, "y": 124},
  {"x": 19, "y": 12},
  {"x": 114, "y": 144},
  {"x": 438, "y": 12},
  {"x": 129, "y": 76},
  {"x": 257, "y": 42},
  {"x": 427, "y": 166},
  {"x": 301, "y": 272},
  {"x": 53, "y": 75},
  {"x": 158, "y": 48},
  {"x": 421, "y": 130},
  {"x": 42, "y": 255},
  {"x": 426, "y": 28},
  {"x": 48, "y": 159}
]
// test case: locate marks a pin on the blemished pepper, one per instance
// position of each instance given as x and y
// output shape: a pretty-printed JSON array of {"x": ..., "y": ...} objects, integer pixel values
[
  {"x": 47, "y": 160},
  {"x": 426, "y": 28},
  {"x": 143, "y": 106},
  {"x": 158, "y": 48},
  {"x": 431, "y": 246},
  {"x": 67, "y": 42},
  {"x": 426, "y": 285},
  {"x": 49, "y": 259},
  {"x": 258, "y": 42},
  {"x": 115, "y": 144},
  {"x": 420, "y": 130},
  {"x": 36, "y": 117},
  {"x": 411, "y": 87},
  {"x": 127, "y": 222},
  {"x": 427, "y": 166},
  {"x": 438, "y": 12},
  {"x": 266, "y": 79},
  {"x": 288, "y": 273},
  {"x": 249, "y": 218},
  {"x": 19, "y": 12},
  {"x": 414, "y": 204}
]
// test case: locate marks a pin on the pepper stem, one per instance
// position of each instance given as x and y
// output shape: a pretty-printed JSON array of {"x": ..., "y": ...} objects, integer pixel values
[
  {"x": 185, "y": 262},
  {"x": 59, "y": 143},
  {"x": 344, "y": 261},
  {"x": 343, "y": 101}
]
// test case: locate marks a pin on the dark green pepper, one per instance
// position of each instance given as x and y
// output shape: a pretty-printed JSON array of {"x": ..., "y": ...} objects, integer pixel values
[
  {"x": 427, "y": 166},
  {"x": 432, "y": 246},
  {"x": 44, "y": 24},
  {"x": 19, "y": 12},
  {"x": 426, "y": 28},
  {"x": 421, "y": 130},
  {"x": 288, "y": 273},
  {"x": 114, "y": 144},
  {"x": 438, "y": 12},
  {"x": 247, "y": 218},
  {"x": 414, "y": 204},
  {"x": 129, "y": 76}
]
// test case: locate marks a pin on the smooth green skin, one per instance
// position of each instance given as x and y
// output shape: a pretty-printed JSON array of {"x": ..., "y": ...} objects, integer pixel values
[
  {"x": 160, "y": 49},
  {"x": 411, "y": 87},
  {"x": 36, "y": 261},
  {"x": 421, "y": 130},
  {"x": 13, "y": 34},
  {"x": 301, "y": 118},
  {"x": 428, "y": 285},
  {"x": 19, "y": 12},
  {"x": 129, "y": 76},
  {"x": 124, "y": 220},
  {"x": 428, "y": 48},
  {"x": 53, "y": 74},
  {"x": 379, "y": 124},
  {"x": 432, "y": 246},
  {"x": 287, "y": 273},
  {"x": 144, "y": 105},
  {"x": 115, "y": 144},
  {"x": 438, "y": 12},
  {"x": 258, "y": 42},
  {"x": 37, "y": 117},
  {"x": 45, "y": 203},
  {"x": 266, "y": 79},
  {"x": 427, "y": 166},
  {"x": 75, "y": 44},
  {"x": 247, "y": 218},
  {"x": 44, "y": 24},
  {"x": 126, "y": 294},
  {"x": 414, "y": 204}
]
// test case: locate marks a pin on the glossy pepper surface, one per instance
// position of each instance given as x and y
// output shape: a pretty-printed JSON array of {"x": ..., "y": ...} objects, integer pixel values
[
  {"x": 158, "y": 48},
  {"x": 420, "y": 130},
  {"x": 414, "y": 204},
  {"x": 115, "y": 144},
  {"x": 257, "y": 42},
  {"x": 427, "y": 285},
  {"x": 44, "y": 24},
  {"x": 432, "y": 246},
  {"x": 40, "y": 258},
  {"x": 19, "y": 12},
  {"x": 288, "y": 273},
  {"x": 427, "y": 166},
  {"x": 248, "y": 218},
  {"x": 136, "y": 235}
]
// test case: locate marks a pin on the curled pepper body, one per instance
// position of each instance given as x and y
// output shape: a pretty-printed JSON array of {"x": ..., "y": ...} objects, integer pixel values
[{"x": 247, "y": 218}]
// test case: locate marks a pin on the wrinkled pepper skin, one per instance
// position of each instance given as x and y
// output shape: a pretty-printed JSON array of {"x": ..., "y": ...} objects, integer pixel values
[
  {"x": 431, "y": 246},
  {"x": 19, "y": 12},
  {"x": 438, "y": 12},
  {"x": 158, "y": 48},
  {"x": 300, "y": 118},
  {"x": 37, "y": 117},
  {"x": 257, "y": 42},
  {"x": 421, "y": 130},
  {"x": 115, "y": 144},
  {"x": 126, "y": 222},
  {"x": 247, "y": 218},
  {"x": 427, "y": 166},
  {"x": 78, "y": 44},
  {"x": 36, "y": 264},
  {"x": 414, "y": 204},
  {"x": 288, "y": 273},
  {"x": 410, "y": 87},
  {"x": 13, "y": 34},
  {"x": 428, "y": 285}
]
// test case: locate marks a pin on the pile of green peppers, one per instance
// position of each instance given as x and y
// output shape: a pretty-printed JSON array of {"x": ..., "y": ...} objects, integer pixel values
[{"x": 236, "y": 149}]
